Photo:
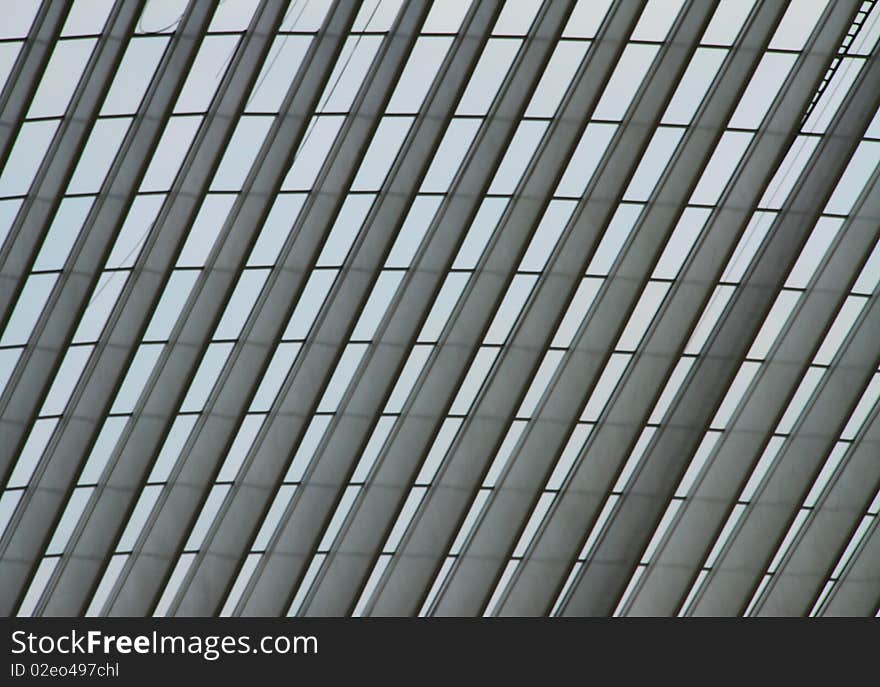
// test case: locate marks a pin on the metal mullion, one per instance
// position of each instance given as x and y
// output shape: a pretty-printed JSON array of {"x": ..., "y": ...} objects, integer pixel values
[
  {"x": 22, "y": 82},
  {"x": 670, "y": 574},
  {"x": 738, "y": 570},
  {"x": 256, "y": 197},
  {"x": 213, "y": 571},
  {"x": 336, "y": 590},
  {"x": 48, "y": 342},
  {"x": 154, "y": 558},
  {"x": 472, "y": 579},
  {"x": 40, "y": 506},
  {"x": 543, "y": 572},
  {"x": 132, "y": 312},
  {"x": 408, "y": 577},
  {"x": 294, "y": 544},
  {"x": 799, "y": 580},
  {"x": 857, "y": 592},
  {"x": 44, "y": 195},
  {"x": 617, "y": 553}
]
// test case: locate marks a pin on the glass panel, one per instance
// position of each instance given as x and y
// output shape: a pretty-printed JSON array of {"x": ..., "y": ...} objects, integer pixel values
[
  {"x": 727, "y": 21},
  {"x": 720, "y": 168},
  {"x": 18, "y": 17},
  {"x": 273, "y": 517},
  {"x": 681, "y": 242},
  {"x": 376, "y": 305},
  {"x": 614, "y": 238},
  {"x": 342, "y": 377},
  {"x": 646, "y": 309},
  {"x": 446, "y": 17},
  {"x": 576, "y": 441},
  {"x": 383, "y": 149},
  {"x": 205, "y": 229},
  {"x": 280, "y": 68},
  {"x": 170, "y": 153},
  {"x": 240, "y": 303},
  {"x": 546, "y": 236},
  {"x": 672, "y": 388},
  {"x": 24, "y": 160},
  {"x": 174, "y": 442},
  {"x": 207, "y": 516},
  {"x": 694, "y": 85},
  {"x": 563, "y": 65},
  {"x": 540, "y": 383},
  {"x": 206, "y": 376},
  {"x": 625, "y": 81},
  {"x": 655, "y": 159},
  {"x": 30, "y": 454},
  {"x": 585, "y": 159},
  {"x": 134, "y": 230},
  {"x": 206, "y": 73},
  {"x": 60, "y": 79},
  {"x": 87, "y": 17},
  {"x": 101, "y": 148},
  {"x": 305, "y": 15},
  {"x": 586, "y": 18},
  {"x": 516, "y": 17},
  {"x": 708, "y": 318},
  {"x": 444, "y": 165},
  {"x": 418, "y": 74},
  {"x": 28, "y": 309},
  {"x": 36, "y": 588},
  {"x": 133, "y": 75},
  {"x": 240, "y": 153},
  {"x": 170, "y": 305},
  {"x": 759, "y": 95},
  {"x": 161, "y": 16},
  {"x": 244, "y": 439},
  {"x": 276, "y": 228},
  {"x": 788, "y": 173},
  {"x": 233, "y": 16},
  {"x": 274, "y": 377},
  {"x": 862, "y": 164},
  {"x": 111, "y": 430},
  {"x": 377, "y": 15},
  {"x": 797, "y": 24},
  {"x": 411, "y": 234},
  {"x": 312, "y": 153},
  {"x": 345, "y": 230},
  {"x": 439, "y": 448},
  {"x": 63, "y": 232},
  {"x": 695, "y": 467},
  {"x": 405, "y": 518},
  {"x": 611, "y": 375},
  {"x": 488, "y": 76},
  {"x": 66, "y": 377},
  {"x": 656, "y": 20},
  {"x": 76, "y": 503},
  {"x": 736, "y": 393},
  {"x": 479, "y": 233},
  {"x": 509, "y": 311},
  {"x": 309, "y": 304},
  {"x": 813, "y": 252},
  {"x": 577, "y": 311},
  {"x": 136, "y": 378},
  {"x": 177, "y": 576},
  {"x": 519, "y": 154},
  {"x": 349, "y": 73},
  {"x": 473, "y": 380},
  {"x": 371, "y": 450},
  {"x": 502, "y": 457}
]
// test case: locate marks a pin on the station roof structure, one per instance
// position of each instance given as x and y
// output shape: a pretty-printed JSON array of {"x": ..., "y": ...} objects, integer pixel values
[{"x": 394, "y": 308}]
